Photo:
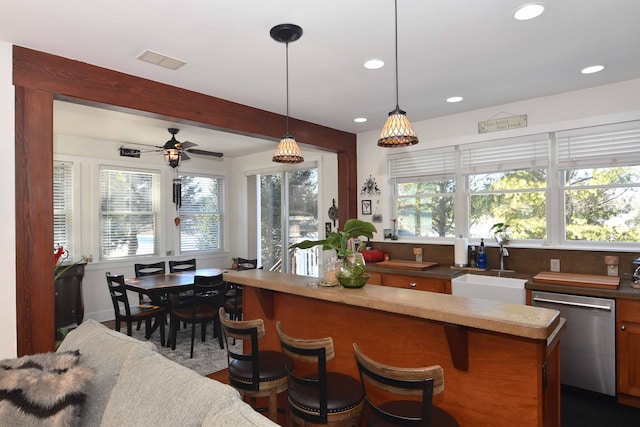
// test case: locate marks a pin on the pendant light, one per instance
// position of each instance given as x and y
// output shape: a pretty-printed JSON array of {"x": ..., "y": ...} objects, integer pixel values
[
  {"x": 288, "y": 150},
  {"x": 397, "y": 131}
]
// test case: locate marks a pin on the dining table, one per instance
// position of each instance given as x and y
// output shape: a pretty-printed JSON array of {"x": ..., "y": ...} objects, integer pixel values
[{"x": 160, "y": 287}]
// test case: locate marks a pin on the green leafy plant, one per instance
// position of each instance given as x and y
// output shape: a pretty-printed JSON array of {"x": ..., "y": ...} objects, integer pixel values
[{"x": 338, "y": 240}]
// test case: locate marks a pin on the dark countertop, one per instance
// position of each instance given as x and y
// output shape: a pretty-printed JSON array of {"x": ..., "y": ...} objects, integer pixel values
[
  {"x": 438, "y": 272},
  {"x": 625, "y": 291}
]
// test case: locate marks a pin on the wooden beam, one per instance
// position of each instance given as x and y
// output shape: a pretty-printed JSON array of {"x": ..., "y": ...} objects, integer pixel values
[{"x": 39, "y": 78}]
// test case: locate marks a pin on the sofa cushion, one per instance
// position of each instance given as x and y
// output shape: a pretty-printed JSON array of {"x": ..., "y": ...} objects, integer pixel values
[
  {"x": 155, "y": 391},
  {"x": 46, "y": 389},
  {"x": 104, "y": 351}
]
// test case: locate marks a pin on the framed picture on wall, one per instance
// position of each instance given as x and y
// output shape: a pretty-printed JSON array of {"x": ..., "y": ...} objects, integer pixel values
[{"x": 366, "y": 207}]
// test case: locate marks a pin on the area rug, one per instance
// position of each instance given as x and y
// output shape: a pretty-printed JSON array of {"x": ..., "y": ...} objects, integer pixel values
[{"x": 208, "y": 357}]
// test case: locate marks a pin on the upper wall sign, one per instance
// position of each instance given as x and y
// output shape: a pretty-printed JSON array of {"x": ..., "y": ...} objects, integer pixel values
[{"x": 504, "y": 123}]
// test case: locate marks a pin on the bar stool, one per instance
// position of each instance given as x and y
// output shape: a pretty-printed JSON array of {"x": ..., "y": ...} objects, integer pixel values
[
  {"x": 256, "y": 373},
  {"x": 383, "y": 385},
  {"x": 316, "y": 396}
]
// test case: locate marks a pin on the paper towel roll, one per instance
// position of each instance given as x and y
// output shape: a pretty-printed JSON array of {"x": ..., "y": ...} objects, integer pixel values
[{"x": 461, "y": 252}]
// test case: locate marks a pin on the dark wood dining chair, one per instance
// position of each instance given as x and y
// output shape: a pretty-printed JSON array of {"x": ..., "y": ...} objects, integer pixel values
[
  {"x": 254, "y": 372},
  {"x": 388, "y": 394},
  {"x": 142, "y": 270},
  {"x": 208, "y": 297},
  {"x": 176, "y": 266},
  {"x": 316, "y": 395},
  {"x": 124, "y": 312},
  {"x": 233, "y": 303}
]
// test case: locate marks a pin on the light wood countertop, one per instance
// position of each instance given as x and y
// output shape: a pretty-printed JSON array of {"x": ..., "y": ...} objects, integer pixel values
[{"x": 512, "y": 319}]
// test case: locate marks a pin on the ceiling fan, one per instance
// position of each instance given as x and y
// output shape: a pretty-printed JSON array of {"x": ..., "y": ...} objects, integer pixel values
[{"x": 174, "y": 150}]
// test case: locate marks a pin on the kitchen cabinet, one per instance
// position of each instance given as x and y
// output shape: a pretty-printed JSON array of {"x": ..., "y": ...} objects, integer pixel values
[
  {"x": 418, "y": 283},
  {"x": 628, "y": 351},
  {"x": 375, "y": 279}
]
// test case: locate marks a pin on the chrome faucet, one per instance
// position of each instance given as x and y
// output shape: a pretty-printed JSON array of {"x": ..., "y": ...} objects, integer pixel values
[{"x": 503, "y": 253}]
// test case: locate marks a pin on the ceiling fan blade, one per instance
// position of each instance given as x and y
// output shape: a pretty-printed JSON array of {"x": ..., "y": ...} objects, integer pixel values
[
  {"x": 204, "y": 152},
  {"x": 188, "y": 144},
  {"x": 183, "y": 156}
]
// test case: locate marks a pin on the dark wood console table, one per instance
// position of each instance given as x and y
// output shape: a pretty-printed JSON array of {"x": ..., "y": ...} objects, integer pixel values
[{"x": 68, "y": 293}]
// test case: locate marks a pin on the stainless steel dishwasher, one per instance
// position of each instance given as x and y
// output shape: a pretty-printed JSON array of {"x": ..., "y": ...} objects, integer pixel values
[{"x": 588, "y": 346}]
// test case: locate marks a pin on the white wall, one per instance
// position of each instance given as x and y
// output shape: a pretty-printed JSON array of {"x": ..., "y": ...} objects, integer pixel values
[
  {"x": 599, "y": 105},
  {"x": 8, "y": 331}
]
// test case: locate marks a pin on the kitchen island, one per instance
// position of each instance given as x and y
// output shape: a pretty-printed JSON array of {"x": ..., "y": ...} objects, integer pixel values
[{"x": 501, "y": 361}]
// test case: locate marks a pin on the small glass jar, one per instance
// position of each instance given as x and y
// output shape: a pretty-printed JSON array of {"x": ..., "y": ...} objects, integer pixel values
[{"x": 331, "y": 269}]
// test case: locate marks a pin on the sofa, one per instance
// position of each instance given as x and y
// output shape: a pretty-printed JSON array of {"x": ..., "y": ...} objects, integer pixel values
[{"x": 111, "y": 379}]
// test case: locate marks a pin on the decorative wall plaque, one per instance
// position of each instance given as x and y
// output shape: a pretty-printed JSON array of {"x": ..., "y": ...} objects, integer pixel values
[{"x": 505, "y": 123}]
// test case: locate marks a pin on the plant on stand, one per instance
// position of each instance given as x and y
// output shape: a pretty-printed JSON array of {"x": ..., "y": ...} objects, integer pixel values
[{"x": 352, "y": 269}]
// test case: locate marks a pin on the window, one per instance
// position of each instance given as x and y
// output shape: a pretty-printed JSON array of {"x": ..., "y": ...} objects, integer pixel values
[
  {"x": 129, "y": 213},
  {"x": 507, "y": 182},
  {"x": 63, "y": 205},
  {"x": 201, "y": 214},
  {"x": 424, "y": 186},
  {"x": 601, "y": 183}
]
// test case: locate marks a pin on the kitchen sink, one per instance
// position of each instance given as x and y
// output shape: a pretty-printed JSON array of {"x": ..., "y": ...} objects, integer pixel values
[{"x": 504, "y": 289}]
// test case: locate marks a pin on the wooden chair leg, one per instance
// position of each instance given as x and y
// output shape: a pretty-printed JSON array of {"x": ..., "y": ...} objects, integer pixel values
[{"x": 273, "y": 405}]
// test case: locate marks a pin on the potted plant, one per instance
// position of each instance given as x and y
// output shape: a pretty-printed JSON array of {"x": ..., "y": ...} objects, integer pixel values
[{"x": 352, "y": 269}]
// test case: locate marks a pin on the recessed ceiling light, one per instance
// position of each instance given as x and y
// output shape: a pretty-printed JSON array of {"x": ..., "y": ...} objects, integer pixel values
[
  {"x": 455, "y": 99},
  {"x": 373, "y": 64},
  {"x": 592, "y": 69},
  {"x": 360, "y": 119},
  {"x": 528, "y": 11}
]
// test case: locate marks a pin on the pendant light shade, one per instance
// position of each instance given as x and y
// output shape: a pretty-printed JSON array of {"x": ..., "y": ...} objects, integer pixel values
[
  {"x": 397, "y": 131},
  {"x": 288, "y": 150}
]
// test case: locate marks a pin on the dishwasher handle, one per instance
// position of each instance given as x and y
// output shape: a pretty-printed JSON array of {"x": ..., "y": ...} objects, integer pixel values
[{"x": 574, "y": 304}]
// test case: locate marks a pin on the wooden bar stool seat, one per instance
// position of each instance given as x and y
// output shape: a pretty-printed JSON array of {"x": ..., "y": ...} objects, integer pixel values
[
  {"x": 255, "y": 373},
  {"x": 389, "y": 390},
  {"x": 316, "y": 396}
]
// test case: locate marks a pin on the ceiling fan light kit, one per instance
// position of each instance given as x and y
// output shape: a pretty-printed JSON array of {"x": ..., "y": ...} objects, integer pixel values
[
  {"x": 288, "y": 150},
  {"x": 397, "y": 131},
  {"x": 171, "y": 149}
]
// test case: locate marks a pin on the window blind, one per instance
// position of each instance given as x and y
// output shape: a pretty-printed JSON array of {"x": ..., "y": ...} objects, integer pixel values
[
  {"x": 63, "y": 205},
  {"x": 600, "y": 146},
  {"x": 525, "y": 152},
  {"x": 129, "y": 212},
  {"x": 423, "y": 165},
  {"x": 201, "y": 213}
]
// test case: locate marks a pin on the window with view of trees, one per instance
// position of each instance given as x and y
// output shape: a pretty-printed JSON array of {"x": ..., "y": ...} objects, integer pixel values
[
  {"x": 129, "y": 213},
  {"x": 424, "y": 191},
  {"x": 601, "y": 183},
  {"x": 588, "y": 176},
  {"x": 202, "y": 213}
]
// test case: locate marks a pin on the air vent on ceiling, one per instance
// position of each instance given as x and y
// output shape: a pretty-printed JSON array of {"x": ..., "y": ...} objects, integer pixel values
[{"x": 161, "y": 60}]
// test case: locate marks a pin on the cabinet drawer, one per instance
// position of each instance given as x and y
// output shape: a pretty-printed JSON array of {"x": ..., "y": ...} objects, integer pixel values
[{"x": 417, "y": 283}]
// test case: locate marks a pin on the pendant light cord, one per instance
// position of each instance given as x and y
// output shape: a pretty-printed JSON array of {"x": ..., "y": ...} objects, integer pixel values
[
  {"x": 396, "y": 22},
  {"x": 287, "y": 77}
]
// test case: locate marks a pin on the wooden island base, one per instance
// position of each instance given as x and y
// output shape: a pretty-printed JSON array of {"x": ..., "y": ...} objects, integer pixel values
[{"x": 509, "y": 380}]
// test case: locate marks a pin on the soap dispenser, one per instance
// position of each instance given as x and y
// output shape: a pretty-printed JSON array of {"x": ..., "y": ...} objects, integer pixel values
[{"x": 482, "y": 255}]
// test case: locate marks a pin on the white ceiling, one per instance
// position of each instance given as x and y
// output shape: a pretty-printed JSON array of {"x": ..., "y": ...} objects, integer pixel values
[{"x": 470, "y": 48}]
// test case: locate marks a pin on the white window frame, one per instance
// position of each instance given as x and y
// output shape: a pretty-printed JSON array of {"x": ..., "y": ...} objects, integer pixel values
[
  {"x": 222, "y": 184},
  {"x": 155, "y": 211}
]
